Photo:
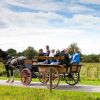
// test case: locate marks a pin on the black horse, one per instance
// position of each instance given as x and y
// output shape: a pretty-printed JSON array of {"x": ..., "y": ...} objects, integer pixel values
[{"x": 10, "y": 63}]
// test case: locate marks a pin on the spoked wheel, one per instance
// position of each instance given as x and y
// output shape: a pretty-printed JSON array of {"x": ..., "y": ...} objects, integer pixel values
[
  {"x": 54, "y": 78},
  {"x": 26, "y": 76},
  {"x": 72, "y": 78},
  {"x": 42, "y": 77}
]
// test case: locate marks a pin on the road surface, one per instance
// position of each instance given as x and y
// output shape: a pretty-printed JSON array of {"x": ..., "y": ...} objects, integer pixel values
[{"x": 84, "y": 88}]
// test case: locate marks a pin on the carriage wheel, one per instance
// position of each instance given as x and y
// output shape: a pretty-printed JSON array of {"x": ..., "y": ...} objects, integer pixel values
[
  {"x": 72, "y": 78},
  {"x": 42, "y": 77},
  {"x": 26, "y": 76},
  {"x": 55, "y": 78}
]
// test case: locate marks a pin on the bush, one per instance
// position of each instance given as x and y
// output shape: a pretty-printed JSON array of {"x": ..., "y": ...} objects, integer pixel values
[{"x": 90, "y": 58}]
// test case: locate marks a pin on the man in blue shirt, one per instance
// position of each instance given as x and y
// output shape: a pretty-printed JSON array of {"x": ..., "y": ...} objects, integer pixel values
[{"x": 75, "y": 59}]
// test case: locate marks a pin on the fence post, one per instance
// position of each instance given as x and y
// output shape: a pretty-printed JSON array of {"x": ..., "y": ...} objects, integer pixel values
[
  {"x": 87, "y": 72},
  {"x": 97, "y": 72},
  {"x": 50, "y": 79}
]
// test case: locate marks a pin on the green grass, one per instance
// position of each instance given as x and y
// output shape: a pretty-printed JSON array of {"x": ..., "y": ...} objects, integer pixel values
[
  {"x": 90, "y": 82},
  {"x": 21, "y": 93}
]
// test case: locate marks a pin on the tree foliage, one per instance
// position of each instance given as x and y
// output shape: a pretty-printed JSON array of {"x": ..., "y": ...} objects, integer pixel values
[
  {"x": 91, "y": 58},
  {"x": 19, "y": 54},
  {"x": 73, "y": 46},
  {"x": 12, "y": 52},
  {"x": 29, "y": 52}
]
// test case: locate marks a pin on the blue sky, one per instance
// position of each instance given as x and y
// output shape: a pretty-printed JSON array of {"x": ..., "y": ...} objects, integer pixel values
[{"x": 57, "y": 23}]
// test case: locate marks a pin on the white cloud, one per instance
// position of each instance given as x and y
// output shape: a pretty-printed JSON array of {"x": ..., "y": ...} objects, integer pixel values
[
  {"x": 77, "y": 8},
  {"x": 86, "y": 19},
  {"x": 50, "y": 6},
  {"x": 41, "y": 19},
  {"x": 83, "y": 22},
  {"x": 91, "y": 1},
  {"x": 56, "y": 38},
  {"x": 27, "y": 19},
  {"x": 35, "y": 4}
]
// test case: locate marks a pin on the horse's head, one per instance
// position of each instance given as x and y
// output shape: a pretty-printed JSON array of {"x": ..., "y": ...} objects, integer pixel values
[{"x": 3, "y": 55}]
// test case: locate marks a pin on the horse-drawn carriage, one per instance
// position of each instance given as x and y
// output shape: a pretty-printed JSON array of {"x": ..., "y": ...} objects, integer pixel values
[{"x": 49, "y": 74}]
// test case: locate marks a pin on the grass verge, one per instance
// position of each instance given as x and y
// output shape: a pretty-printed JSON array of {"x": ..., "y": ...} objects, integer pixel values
[{"x": 22, "y": 93}]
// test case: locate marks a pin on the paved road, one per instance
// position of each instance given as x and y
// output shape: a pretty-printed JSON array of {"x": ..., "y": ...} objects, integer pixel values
[{"x": 84, "y": 88}]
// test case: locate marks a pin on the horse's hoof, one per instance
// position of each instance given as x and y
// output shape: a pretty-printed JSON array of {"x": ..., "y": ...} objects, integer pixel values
[
  {"x": 12, "y": 81},
  {"x": 8, "y": 81}
]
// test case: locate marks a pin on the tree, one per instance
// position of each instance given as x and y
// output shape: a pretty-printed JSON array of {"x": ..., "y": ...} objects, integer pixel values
[
  {"x": 29, "y": 52},
  {"x": 91, "y": 58},
  {"x": 73, "y": 46},
  {"x": 19, "y": 54},
  {"x": 12, "y": 52}
]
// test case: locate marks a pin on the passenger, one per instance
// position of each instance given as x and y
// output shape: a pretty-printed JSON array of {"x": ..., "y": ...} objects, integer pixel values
[
  {"x": 53, "y": 61},
  {"x": 47, "y": 53},
  {"x": 52, "y": 53},
  {"x": 58, "y": 53},
  {"x": 41, "y": 53},
  {"x": 75, "y": 59},
  {"x": 66, "y": 60},
  {"x": 47, "y": 50}
]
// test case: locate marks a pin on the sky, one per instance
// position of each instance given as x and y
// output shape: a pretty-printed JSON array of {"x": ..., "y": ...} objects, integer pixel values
[{"x": 56, "y": 23}]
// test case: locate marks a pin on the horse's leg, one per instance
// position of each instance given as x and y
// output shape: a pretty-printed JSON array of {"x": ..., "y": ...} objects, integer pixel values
[
  {"x": 11, "y": 71},
  {"x": 7, "y": 72}
]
